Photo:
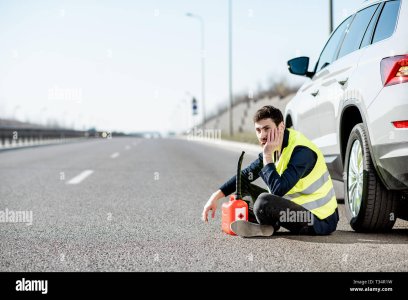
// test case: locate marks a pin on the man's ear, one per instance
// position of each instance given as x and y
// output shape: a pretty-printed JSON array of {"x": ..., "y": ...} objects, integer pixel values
[{"x": 282, "y": 127}]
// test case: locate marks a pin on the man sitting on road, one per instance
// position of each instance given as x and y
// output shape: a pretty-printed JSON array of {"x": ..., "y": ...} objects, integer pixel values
[{"x": 301, "y": 195}]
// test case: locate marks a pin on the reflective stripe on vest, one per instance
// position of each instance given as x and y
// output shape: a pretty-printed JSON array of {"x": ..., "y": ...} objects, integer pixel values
[
  {"x": 312, "y": 188},
  {"x": 314, "y": 192}
]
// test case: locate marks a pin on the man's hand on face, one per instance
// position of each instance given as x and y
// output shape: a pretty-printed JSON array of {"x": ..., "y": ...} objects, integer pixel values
[{"x": 272, "y": 144}]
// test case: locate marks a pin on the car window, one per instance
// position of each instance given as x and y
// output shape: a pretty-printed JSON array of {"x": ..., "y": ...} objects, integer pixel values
[
  {"x": 356, "y": 30},
  {"x": 329, "y": 51},
  {"x": 370, "y": 29},
  {"x": 386, "y": 24}
]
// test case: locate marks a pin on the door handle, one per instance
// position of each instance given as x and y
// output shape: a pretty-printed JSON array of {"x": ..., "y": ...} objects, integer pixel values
[
  {"x": 343, "y": 82},
  {"x": 315, "y": 93}
]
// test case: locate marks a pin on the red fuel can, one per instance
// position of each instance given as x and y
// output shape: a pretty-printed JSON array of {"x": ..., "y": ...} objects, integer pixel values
[{"x": 233, "y": 210}]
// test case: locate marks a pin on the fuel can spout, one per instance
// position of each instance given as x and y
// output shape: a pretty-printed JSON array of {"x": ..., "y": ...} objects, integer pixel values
[
  {"x": 236, "y": 208},
  {"x": 238, "y": 195}
]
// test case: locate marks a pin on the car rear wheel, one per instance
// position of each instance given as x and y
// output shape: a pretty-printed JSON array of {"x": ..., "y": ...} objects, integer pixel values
[{"x": 369, "y": 205}]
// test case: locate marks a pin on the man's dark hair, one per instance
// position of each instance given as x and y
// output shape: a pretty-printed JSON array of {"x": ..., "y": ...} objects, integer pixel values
[{"x": 268, "y": 111}]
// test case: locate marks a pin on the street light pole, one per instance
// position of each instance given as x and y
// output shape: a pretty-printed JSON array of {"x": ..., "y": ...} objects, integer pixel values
[
  {"x": 200, "y": 19},
  {"x": 231, "y": 131},
  {"x": 330, "y": 16}
]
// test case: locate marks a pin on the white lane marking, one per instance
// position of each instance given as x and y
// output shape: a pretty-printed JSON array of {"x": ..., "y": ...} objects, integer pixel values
[
  {"x": 127, "y": 147},
  {"x": 77, "y": 179},
  {"x": 114, "y": 155}
]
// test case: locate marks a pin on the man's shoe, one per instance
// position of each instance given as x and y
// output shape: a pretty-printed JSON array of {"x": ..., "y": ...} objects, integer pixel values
[{"x": 248, "y": 229}]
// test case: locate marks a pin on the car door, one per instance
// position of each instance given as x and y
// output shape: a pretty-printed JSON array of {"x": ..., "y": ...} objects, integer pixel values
[
  {"x": 337, "y": 82},
  {"x": 303, "y": 110},
  {"x": 311, "y": 115},
  {"x": 305, "y": 102}
]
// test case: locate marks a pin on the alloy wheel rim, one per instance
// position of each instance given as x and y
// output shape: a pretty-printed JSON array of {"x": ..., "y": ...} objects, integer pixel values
[{"x": 355, "y": 178}]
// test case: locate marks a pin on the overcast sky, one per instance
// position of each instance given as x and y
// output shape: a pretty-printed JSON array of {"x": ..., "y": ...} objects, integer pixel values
[{"x": 132, "y": 65}]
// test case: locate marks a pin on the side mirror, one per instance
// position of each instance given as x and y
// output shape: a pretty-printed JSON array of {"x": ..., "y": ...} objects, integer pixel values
[{"x": 299, "y": 66}]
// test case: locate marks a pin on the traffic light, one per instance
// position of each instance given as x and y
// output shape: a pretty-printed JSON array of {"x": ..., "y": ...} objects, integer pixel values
[{"x": 194, "y": 102}]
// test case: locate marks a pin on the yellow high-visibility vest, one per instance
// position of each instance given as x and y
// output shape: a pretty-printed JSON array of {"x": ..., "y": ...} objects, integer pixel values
[{"x": 314, "y": 192}]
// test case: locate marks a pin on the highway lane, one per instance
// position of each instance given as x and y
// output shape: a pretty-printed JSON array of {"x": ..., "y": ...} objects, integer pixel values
[{"x": 139, "y": 210}]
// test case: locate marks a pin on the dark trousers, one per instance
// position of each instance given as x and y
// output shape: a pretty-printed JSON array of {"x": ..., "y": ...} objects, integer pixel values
[{"x": 268, "y": 209}]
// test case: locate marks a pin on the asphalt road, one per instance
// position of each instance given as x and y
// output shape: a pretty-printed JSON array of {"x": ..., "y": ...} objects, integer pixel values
[{"x": 130, "y": 204}]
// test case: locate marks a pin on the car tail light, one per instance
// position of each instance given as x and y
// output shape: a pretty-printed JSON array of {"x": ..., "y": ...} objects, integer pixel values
[
  {"x": 394, "y": 70},
  {"x": 400, "y": 124}
]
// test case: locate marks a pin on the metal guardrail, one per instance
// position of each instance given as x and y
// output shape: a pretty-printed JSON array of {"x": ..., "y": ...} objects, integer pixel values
[{"x": 15, "y": 137}]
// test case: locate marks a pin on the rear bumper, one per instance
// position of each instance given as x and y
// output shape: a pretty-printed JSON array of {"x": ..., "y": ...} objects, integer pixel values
[
  {"x": 389, "y": 145},
  {"x": 392, "y": 165}
]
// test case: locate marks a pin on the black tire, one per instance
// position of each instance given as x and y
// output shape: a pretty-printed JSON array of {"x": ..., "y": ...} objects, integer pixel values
[
  {"x": 378, "y": 207},
  {"x": 289, "y": 123}
]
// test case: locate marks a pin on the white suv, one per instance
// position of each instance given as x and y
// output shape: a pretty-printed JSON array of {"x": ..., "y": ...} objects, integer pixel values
[{"x": 355, "y": 109}]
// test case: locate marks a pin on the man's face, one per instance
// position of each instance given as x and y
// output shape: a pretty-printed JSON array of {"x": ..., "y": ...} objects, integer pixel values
[{"x": 264, "y": 126}]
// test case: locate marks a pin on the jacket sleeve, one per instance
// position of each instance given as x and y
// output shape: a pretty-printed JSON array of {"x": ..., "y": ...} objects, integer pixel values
[{"x": 248, "y": 175}]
